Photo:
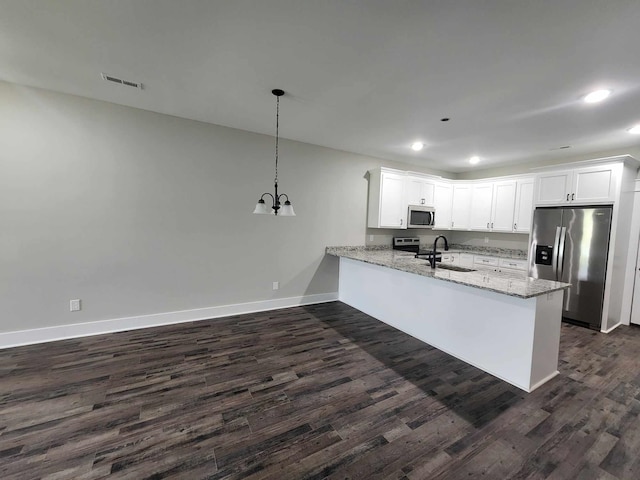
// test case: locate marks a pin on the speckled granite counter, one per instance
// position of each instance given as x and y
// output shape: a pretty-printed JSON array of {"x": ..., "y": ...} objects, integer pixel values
[{"x": 487, "y": 280}]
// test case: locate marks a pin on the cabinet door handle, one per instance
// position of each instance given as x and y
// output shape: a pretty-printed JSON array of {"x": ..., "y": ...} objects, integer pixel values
[
  {"x": 451, "y": 224},
  {"x": 400, "y": 221},
  {"x": 515, "y": 226},
  {"x": 567, "y": 197},
  {"x": 573, "y": 196},
  {"x": 492, "y": 225},
  {"x": 487, "y": 225}
]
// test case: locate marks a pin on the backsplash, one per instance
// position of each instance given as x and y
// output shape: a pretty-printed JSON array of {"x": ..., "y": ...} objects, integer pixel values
[
  {"x": 513, "y": 241},
  {"x": 383, "y": 236}
]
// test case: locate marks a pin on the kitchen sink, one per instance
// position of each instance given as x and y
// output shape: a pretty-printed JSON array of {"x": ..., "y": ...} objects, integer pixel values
[{"x": 455, "y": 268}]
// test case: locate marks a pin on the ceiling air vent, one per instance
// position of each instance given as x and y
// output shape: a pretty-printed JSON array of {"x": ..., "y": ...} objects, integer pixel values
[{"x": 128, "y": 83}]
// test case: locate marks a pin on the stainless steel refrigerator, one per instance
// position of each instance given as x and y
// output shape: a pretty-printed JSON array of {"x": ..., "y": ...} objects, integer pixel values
[{"x": 572, "y": 245}]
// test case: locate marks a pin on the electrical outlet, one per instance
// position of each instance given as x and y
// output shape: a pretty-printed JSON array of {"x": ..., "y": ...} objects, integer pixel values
[
  {"x": 486, "y": 239},
  {"x": 276, "y": 285},
  {"x": 74, "y": 305},
  {"x": 371, "y": 238}
]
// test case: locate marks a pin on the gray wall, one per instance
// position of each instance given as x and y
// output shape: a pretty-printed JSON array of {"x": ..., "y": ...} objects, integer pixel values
[{"x": 138, "y": 213}]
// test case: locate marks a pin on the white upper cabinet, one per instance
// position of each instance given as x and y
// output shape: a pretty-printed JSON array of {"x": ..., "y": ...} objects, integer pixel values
[
  {"x": 524, "y": 206},
  {"x": 387, "y": 202},
  {"x": 504, "y": 206},
  {"x": 460, "y": 217},
  {"x": 594, "y": 184},
  {"x": 499, "y": 205},
  {"x": 481, "y": 203},
  {"x": 552, "y": 188},
  {"x": 442, "y": 201},
  {"x": 420, "y": 191},
  {"x": 587, "y": 185},
  {"x": 392, "y": 206}
]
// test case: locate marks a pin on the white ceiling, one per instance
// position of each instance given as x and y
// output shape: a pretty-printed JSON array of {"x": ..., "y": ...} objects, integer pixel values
[{"x": 366, "y": 76}]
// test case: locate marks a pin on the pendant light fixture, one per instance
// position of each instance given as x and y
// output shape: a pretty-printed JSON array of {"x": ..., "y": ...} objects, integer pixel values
[{"x": 277, "y": 208}]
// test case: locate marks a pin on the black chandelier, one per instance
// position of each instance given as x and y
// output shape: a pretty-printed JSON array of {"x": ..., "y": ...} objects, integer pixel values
[{"x": 277, "y": 208}]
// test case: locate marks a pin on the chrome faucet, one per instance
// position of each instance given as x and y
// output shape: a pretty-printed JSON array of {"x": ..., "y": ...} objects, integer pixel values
[{"x": 432, "y": 260}]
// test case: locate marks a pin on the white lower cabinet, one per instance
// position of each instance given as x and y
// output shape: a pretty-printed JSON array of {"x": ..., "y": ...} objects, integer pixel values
[
  {"x": 484, "y": 261},
  {"x": 517, "y": 267},
  {"x": 466, "y": 259},
  {"x": 450, "y": 258},
  {"x": 521, "y": 265}
]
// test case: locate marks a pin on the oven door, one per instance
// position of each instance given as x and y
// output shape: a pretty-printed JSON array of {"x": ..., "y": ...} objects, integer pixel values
[{"x": 421, "y": 217}]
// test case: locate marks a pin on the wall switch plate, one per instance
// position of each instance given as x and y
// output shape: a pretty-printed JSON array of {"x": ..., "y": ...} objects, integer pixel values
[
  {"x": 276, "y": 285},
  {"x": 74, "y": 305},
  {"x": 371, "y": 238}
]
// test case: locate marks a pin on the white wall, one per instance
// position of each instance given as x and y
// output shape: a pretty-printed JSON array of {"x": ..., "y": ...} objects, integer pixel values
[{"x": 139, "y": 213}]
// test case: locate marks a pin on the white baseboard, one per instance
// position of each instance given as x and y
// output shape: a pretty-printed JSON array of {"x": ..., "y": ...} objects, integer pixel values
[
  {"x": 61, "y": 332},
  {"x": 543, "y": 381},
  {"x": 611, "y": 329}
]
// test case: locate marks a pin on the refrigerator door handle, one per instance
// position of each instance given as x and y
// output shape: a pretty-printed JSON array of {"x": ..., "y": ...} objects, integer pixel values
[
  {"x": 560, "y": 270},
  {"x": 554, "y": 254}
]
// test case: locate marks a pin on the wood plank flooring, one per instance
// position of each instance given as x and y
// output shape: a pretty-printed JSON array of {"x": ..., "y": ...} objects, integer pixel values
[{"x": 315, "y": 392}]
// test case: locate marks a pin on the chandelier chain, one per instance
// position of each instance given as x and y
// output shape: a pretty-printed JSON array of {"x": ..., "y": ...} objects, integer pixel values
[
  {"x": 277, "y": 134},
  {"x": 277, "y": 208}
]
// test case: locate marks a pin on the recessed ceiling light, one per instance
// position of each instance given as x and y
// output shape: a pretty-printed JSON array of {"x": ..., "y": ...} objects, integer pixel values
[
  {"x": 473, "y": 160},
  {"x": 597, "y": 96},
  {"x": 417, "y": 146},
  {"x": 635, "y": 129}
]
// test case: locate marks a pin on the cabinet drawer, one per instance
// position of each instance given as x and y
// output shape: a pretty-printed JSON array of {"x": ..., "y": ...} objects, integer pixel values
[
  {"x": 466, "y": 259},
  {"x": 450, "y": 257},
  {"x": 514, "y": 264},
  {"x": 488, "y": 261}
]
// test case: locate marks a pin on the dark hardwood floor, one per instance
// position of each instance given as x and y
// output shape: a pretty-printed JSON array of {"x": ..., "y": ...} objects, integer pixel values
[{"x": 313, "y": 392}]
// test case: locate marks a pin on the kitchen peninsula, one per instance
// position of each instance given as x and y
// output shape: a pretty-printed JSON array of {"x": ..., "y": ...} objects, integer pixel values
[{"x": 506, "y": 325}]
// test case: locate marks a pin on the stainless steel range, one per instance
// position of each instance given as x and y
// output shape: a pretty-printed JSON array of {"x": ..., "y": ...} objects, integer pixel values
[{"x": 412, "y": 244}]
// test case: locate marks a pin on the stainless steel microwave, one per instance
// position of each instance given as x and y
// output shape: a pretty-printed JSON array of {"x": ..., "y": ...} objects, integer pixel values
[{"x": 420, "y": 216}]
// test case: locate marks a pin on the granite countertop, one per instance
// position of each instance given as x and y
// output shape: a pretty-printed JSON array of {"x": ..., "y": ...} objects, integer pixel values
[{"x": 486, "y": 280}]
